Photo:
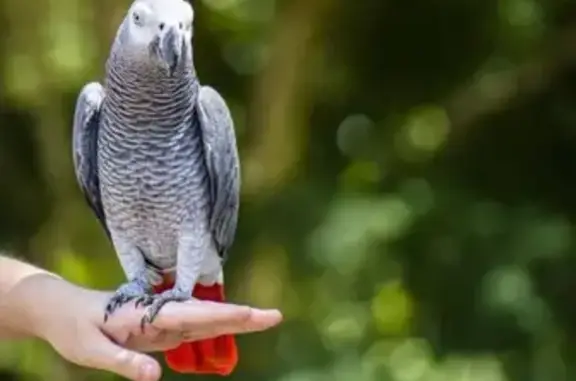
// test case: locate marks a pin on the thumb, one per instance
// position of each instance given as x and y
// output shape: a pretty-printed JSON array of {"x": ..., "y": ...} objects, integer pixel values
[{"x": 106, "y": 355}]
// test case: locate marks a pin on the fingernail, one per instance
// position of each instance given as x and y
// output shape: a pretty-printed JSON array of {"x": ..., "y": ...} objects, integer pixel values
[
  {"x": 270, "y": 312},
  {"x": 272, "y": 317},
  {"x": 148, "y": 372}
]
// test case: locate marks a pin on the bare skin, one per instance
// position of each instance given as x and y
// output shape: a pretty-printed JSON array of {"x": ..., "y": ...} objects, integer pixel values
[{"x": 36, "y": 303}]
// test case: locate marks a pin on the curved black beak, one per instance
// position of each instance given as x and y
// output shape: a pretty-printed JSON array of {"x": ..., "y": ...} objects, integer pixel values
[{"x": 171, "y": 49}]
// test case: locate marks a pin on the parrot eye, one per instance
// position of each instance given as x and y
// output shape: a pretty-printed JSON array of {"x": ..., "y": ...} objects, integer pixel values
[{"x": 137, "y": 18}]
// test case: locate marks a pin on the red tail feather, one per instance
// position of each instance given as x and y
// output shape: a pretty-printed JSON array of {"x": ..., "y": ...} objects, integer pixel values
[{"x": 211, "y": 356}]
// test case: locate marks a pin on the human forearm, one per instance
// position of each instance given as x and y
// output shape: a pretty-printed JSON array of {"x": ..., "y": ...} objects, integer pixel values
[{"x": 15, "y": 299}]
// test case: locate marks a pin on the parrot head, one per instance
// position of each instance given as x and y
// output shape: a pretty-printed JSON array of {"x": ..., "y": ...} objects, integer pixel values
[{"x": 160, "y": 31}]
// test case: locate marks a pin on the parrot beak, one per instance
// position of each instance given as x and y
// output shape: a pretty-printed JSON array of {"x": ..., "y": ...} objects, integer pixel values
[{"x": 171, "y": 49}]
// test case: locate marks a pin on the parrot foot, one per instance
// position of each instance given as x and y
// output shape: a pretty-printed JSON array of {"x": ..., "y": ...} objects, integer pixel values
[
  {"x": 156, "y": 302},
  {"x": 137, "y": 290}
]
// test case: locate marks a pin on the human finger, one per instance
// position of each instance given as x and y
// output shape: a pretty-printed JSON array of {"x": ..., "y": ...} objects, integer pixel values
[
  {"x": 164, "y": 341},
  {"x": 101, "y": 353},
  {"x": 124, "y": 325},
  {"x": 253, "y": 321},
  {"x": 202, "y": 315}
]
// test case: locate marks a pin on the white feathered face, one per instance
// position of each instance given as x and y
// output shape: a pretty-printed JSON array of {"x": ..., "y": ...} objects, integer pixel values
[{"x": 161, "y": 28}]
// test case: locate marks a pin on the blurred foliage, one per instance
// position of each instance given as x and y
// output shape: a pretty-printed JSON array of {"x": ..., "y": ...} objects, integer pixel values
[{"x": 408, "y": 179}]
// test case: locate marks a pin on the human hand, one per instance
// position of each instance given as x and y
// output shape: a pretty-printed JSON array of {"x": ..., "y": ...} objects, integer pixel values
[{"x": 70, "y": 318}]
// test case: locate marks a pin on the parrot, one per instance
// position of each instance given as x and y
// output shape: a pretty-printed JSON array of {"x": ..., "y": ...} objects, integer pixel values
[{"x": 156, "y": 158}]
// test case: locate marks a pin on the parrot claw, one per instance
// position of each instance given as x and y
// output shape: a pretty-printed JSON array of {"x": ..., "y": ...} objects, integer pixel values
[
  {"x": 143, "y": 300},
  {"x": 134, "y": 290},
  {"x": 156, "y": 302}
]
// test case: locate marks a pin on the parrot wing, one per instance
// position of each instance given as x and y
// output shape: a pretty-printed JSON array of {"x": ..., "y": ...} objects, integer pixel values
[
  {"x": 85, "y": 146},
  {"x": 223, "y": 164}
]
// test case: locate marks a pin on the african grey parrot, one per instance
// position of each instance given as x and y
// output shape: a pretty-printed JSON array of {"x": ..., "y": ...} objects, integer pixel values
[{"x": 156, "y": 158}]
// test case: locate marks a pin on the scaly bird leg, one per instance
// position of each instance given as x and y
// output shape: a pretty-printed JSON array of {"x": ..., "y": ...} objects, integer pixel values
[
  {"x": 138, "y": 288},
  {"x": 155, "y": 303},
  {"x": 191, "y": 251}
]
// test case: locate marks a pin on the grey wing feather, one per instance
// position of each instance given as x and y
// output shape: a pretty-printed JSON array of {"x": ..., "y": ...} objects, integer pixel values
[
  {"x": 85, "y": 146},
  {"x": 223, "y": 164}
]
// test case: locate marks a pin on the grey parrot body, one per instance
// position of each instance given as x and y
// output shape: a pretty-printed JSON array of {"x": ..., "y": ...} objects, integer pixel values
[{"x": 155, "y": 155}]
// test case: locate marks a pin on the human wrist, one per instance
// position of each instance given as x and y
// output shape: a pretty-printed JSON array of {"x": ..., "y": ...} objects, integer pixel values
[{"x": 33, "y": 303}]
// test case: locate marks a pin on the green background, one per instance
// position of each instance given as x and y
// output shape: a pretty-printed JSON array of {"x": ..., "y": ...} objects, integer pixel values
[{"x": 408, "y": 180}]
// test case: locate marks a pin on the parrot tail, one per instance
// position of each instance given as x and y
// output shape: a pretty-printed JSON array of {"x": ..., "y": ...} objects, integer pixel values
[{"x": 218, "y": 355}]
